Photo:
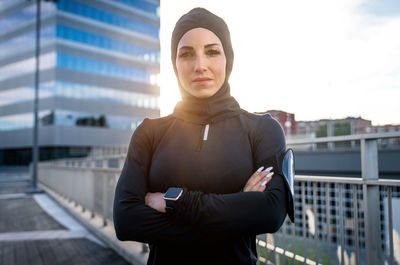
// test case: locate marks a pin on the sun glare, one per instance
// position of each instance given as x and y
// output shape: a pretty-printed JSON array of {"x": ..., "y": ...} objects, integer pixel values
[{"x": 285, "y": 60}]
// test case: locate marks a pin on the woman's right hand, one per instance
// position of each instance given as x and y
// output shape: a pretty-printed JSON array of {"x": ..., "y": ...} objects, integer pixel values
[{"x": 259, "y": 180}]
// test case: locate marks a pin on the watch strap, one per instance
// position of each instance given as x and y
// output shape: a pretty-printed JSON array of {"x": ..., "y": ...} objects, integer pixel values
[{"x": 170, "y": 206}]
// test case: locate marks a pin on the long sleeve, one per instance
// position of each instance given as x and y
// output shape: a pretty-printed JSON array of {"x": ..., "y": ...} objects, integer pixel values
[
  {"x": 243, "y": 212},
  {"x": 133, "y": 220}
]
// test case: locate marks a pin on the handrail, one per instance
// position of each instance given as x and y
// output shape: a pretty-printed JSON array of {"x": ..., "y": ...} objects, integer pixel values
[
  {"x": 354, "y": 137},
  {"x": 349, "y": 180}
]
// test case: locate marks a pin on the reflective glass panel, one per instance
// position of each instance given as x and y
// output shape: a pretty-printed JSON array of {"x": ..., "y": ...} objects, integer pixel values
[
  {"x": 68, "y": 118},
  {"x": 152, "y": 8},
  {"x": 16, "y": 19},
  {"x": 19, "y": 121},
  {"x": 27, "y": 14},
  {"x": 103, "y": 68},
  {"x": 77, "y": 35},
  {"x": 26, "y": 41},
  {"x": 4, "y": 4},
  {"x": 47, "y": 61},
  {"x": 26, "y": 93},
  {"x": 83, "y": 91},
  {"x": 90, "y": 12},
  {"x": 79, "y": 91}
]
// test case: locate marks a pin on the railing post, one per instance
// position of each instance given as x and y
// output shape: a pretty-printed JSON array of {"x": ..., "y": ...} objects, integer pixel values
[
  {"x": 372, "y": 225},
  {"x": 104, "y": 202},
  {"x": 331, "y": 145}
]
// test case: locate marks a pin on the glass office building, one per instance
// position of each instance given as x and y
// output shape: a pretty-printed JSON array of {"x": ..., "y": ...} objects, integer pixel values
[{"x": 99, "y": 72}]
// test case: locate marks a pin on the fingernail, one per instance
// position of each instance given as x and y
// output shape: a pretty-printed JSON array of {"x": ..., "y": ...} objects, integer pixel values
[
  {"x": 264, "y": 183},
  {"x": 259, "y": 170},
  {"x": 269, "y": 175},
  {"x": 268, "y": 169}
]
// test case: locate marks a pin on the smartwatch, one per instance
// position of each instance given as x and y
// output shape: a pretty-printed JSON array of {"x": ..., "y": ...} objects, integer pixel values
[{"x": 171, "y": 196}]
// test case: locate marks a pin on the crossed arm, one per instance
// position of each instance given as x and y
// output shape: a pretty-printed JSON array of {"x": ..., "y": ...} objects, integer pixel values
[
  {"x": 257, "y": 182},
  {"x": 140, "y": 216}
]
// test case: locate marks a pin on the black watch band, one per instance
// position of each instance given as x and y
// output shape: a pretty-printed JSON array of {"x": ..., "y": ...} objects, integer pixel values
[{"x": 169, "y": 206}]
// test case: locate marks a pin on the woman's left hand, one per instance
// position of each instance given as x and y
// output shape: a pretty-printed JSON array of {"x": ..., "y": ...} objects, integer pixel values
[{"x": 155, "y": 201}]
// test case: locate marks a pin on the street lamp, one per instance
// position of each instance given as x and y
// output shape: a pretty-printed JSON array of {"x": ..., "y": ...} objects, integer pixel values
[{"x": 35, "y": 148}]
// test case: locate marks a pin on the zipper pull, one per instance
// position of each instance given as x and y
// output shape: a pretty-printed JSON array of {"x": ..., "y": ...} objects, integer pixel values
[{"x": 206, "y": 132}]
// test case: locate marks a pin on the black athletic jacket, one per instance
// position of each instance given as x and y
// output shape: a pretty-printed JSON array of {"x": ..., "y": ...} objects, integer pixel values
[{"x": 211, "y": 150}]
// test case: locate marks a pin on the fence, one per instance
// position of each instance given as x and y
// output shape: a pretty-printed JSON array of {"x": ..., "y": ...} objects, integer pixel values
[
  {"x": 339, "y": 220},
  {"x": 349, "y": 215}
]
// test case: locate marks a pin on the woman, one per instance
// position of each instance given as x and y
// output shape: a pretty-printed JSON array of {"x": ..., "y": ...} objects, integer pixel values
[{"x": 189, "y": 186}]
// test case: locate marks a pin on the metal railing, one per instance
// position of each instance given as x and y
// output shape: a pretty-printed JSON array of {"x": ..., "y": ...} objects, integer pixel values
[
  {"x": 310, "y": 240},
  {"x": 340, "y": 213},
  {"x": 92, "y": 188},
  {"x": 332, "y": 227}
]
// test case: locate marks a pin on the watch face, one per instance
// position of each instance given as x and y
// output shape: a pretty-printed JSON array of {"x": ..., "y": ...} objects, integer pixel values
[{"x": 173, "y": 193}]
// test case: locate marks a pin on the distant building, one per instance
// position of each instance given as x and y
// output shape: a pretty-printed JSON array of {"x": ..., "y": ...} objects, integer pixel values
[
  {"x": 386, "y": 128},
  {"x": 390, "y": 142},
  {"x": 99, "y": 71},
  {"x": 335, "y": 127}
]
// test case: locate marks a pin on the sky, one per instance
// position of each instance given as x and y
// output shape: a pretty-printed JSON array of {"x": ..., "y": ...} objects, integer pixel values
[{"x": 318, "y": 59}]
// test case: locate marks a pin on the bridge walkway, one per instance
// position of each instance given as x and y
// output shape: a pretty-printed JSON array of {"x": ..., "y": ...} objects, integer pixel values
[{"x": 35, "y": 230}]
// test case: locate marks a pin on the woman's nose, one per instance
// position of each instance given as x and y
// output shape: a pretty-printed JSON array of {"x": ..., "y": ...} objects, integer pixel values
[{"x": 200, "y": 64}]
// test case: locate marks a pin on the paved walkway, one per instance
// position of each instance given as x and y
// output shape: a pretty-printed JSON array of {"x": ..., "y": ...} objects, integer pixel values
[
  {"x": 35, "y": 230},
  {"x": 14, "y": 180}
]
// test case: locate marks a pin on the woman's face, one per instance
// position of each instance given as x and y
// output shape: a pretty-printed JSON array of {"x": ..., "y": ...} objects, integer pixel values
[{"x": 200, "y": 62}]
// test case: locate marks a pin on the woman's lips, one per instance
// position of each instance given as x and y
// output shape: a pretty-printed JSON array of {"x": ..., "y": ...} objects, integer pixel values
[{"x": 202, "y": 81}]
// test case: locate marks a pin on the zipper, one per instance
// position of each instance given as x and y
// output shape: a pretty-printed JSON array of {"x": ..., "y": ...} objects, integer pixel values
[{"x": 205, "y": 131}]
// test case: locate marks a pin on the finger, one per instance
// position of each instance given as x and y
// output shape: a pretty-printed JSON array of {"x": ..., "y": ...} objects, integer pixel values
[
  {"x": 259, "y": 174},
  {"x": 264, "y": 181},
  {"x": 267, "y": 179},
  {"x": 260, "y": 178},
  {"x": 268, "y": 169},
  {"x": 256, "y": 178},
  {"x": 261, "y": 188}
]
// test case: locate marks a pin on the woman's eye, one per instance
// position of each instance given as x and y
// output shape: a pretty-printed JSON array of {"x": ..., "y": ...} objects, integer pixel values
[
  {"x": 213, "y": 52},
  {"x": 184, "y": 54}
]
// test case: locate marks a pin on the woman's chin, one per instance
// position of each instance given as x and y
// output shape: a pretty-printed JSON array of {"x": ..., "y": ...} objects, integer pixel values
[{"x": 203, "y": 93}]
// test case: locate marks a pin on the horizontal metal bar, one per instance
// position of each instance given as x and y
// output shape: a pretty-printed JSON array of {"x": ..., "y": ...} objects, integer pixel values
[
  {"x": 347, "y": 180},
  {"x": 384, "y": 182},
  {"x": 104, "y": 170},
  {"x": 286, "y": 253},
  {"x": 353, "y": 137},
  {"x": 328, "y": 179}
]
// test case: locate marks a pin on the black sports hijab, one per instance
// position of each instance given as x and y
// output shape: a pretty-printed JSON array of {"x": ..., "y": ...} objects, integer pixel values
[{"x": 221, "y": 105}]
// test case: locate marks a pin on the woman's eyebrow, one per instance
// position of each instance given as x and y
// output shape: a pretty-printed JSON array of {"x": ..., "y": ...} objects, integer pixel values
[
  {"x": 205, "y": 46},
  {"x": 211, "y": 44},
  {"x": 186, "y": 47}
]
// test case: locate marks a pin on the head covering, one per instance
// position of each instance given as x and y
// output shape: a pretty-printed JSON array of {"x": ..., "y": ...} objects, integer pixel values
[
  {"x": 221, "y": 105},
  {"x": 202, "y": 18}
]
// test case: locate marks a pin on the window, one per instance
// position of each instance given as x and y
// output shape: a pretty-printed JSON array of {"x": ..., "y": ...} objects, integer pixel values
[{"x": 75, "y": 7}]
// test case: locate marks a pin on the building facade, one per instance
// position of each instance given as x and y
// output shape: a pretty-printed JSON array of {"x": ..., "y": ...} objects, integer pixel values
[
  {"x": 335, "y": 127},
  {"x": 390, "y": 142},
  {"x": 99, "y": 72}
]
